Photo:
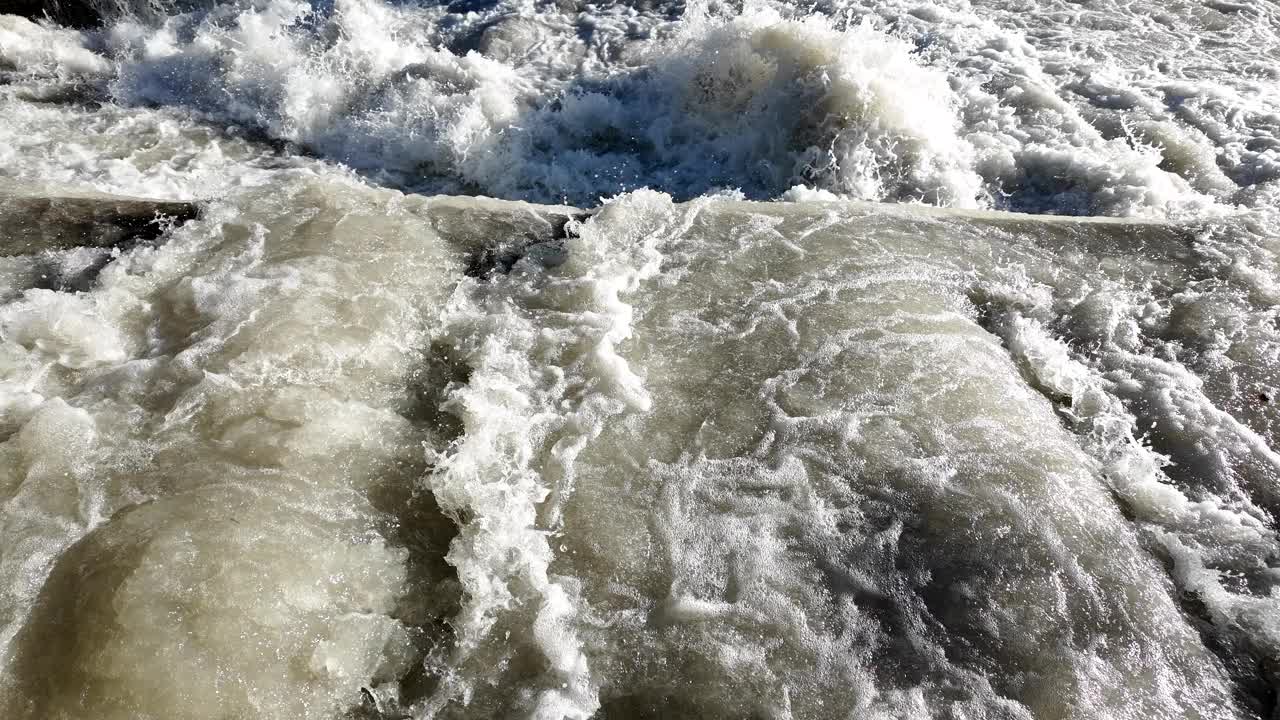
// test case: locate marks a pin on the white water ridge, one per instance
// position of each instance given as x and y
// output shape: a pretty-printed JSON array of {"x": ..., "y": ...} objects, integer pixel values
[{"x": 371, "y": 359}]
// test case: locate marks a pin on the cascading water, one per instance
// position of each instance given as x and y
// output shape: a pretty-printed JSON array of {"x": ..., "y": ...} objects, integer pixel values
[{"x": 499, "y": 358}]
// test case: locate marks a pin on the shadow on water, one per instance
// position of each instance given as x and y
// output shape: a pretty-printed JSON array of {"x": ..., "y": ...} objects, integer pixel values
[{"x": 413, "y": 521}]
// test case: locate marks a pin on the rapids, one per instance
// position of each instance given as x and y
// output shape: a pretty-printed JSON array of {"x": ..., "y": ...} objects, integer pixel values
[{"x": 853, "y": 359}]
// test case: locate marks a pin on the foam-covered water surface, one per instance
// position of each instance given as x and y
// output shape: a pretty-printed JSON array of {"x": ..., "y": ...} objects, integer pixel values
[
  {"x": 1044, "y": 107},
  {"x": 823, "y": 461},
  {"x": 770, "y": 409}
]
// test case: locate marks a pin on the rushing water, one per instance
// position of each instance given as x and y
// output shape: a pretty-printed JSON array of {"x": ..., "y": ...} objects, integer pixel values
[{"x": 766, "y": 409}]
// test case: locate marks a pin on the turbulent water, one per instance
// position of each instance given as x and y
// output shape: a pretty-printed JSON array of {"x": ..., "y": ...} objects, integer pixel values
[{"x": 642, "y": 359}]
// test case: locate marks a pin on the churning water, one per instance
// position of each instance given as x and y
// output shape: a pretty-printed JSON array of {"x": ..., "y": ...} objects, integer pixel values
[{"x": 644, "y": 359}]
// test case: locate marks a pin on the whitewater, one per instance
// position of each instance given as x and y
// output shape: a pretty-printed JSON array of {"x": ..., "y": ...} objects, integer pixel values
[{"x": 860, "y": 359}]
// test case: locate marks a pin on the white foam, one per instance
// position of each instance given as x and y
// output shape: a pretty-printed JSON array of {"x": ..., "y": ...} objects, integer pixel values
[
  {"x": 48, "y": 50},
  {"x": 512, "y": 470},
  {"x": 949, "y": 104}
]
